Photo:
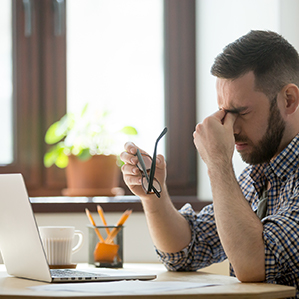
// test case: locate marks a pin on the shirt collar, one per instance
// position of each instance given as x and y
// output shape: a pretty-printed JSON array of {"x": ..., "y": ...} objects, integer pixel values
[
  {"x": 286, "y": 162},
  {"x": 281, "y": 166}
]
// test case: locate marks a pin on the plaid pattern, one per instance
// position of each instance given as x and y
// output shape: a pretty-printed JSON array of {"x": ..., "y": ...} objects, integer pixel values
[{"x": 281, "y": 227}]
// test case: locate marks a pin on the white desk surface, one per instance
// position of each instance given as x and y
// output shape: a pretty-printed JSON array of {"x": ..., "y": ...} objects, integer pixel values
[{"x": 228, "y": 287}]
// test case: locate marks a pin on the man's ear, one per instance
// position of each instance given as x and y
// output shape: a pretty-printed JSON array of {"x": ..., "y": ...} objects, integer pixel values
[{"x": 290, "y": 98}]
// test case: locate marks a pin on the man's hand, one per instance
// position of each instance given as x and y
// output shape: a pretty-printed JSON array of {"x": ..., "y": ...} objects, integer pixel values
[
  {"x": 132, "y": 175},
  {"x": 214, "y": 138}
]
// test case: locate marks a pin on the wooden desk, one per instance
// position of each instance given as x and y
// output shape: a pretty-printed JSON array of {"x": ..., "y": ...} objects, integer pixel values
[{"x": 11, "y": 287}]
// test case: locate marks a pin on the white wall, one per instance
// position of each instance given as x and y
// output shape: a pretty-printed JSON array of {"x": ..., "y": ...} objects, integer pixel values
[
  {"x": 138, "y": 246},
  {"x": 289, "y": 21}
]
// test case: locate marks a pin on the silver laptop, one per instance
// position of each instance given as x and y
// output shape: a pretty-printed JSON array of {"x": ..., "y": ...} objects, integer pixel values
[{"x": 21, "y": 246}]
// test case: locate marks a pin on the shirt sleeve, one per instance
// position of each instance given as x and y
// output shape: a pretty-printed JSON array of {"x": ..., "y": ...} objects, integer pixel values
[
  {"x": 205, "y": 247},
  {"x": 281, "y": 239}
]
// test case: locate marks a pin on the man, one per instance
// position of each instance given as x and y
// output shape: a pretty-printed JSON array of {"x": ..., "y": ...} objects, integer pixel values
[{"x": 253, "y": 221}]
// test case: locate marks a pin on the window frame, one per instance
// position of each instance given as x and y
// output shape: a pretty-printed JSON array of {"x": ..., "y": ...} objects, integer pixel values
[{"x": 39, "y": 97}]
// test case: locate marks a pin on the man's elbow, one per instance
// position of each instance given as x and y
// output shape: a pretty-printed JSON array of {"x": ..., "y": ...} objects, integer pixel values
[
  {"x": 250, "y": 270},
  {"x": 251, "y": 276}
]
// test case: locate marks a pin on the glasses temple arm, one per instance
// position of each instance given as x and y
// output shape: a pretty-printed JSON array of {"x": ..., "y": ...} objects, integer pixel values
[
  {"x": 140, "y": 159},
  {"x": 153, "y": 168}
]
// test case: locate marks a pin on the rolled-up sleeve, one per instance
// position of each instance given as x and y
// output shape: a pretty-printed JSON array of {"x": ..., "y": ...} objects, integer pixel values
[
  {"x": 205, "y": 247},
  {"x": 281, "y": 239}
]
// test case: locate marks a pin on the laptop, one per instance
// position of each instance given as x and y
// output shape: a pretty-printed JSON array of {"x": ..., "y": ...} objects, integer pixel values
[{"x": 21, "y": 246}]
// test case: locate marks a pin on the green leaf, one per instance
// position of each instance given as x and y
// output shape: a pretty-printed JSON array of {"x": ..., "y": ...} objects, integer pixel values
[
  {"x": 84, "y": 109},
  {"x": 51, "y": 136},
  {"x": 49, "y": 159},
  {"x": 58, "y": 130},
  {"x": 65, "y": 124},
  {"x": 119, "y": 162},
  {"x": 52, "y": 154},
  {"x": 84, "y": 155},
  {"x": 129, "y": 130},
  {"x": 62, "y": 160}
]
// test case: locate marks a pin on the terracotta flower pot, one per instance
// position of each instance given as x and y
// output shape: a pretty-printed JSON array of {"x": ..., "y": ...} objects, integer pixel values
[{"x": 98, "y": 176}]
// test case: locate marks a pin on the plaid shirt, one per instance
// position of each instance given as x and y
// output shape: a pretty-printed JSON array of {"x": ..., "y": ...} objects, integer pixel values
[{"x": 281, "y": 225}]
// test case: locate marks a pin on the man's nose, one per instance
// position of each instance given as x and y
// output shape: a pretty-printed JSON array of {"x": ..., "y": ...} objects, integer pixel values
[{"x": 237, "y": 127}]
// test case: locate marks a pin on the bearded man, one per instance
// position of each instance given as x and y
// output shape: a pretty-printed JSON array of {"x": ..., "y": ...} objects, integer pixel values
[{"x": 253, "y": 221}]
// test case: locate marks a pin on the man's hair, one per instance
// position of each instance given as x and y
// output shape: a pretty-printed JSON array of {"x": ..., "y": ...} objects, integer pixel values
[{"x": 273, "y": 60}]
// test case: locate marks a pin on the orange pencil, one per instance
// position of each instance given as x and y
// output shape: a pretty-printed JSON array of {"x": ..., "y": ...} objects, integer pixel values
[
  {"x": 120, "y": 222},
  {"x": 94, "y": 224},
  {"x": 101, "y": 213},
  {"x": 124, "y": 217}
]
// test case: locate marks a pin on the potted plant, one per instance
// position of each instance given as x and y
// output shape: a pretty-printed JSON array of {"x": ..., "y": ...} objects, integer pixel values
[{"x": 87, "y": 145}]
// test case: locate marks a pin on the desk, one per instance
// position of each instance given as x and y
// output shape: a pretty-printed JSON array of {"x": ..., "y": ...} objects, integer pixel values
[{"x": 11, "y": 287}]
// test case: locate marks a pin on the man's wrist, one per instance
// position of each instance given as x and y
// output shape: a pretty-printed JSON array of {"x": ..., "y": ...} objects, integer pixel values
[{"x": 220, "y": 165}]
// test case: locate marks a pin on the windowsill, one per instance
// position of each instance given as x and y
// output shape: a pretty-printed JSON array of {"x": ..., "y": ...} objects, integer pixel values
[{"x": 64, "y": 204}]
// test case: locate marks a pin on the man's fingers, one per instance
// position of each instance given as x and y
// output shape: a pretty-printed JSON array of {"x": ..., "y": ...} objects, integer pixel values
[
  {"x": 130, "y": 169},
  {"x": 220, "y": 115},
  {"x": 130, "y": 153},
  {"x": 131, "y": 148},
  {"x": 229, "y": 119},
  {"x": 128, "y": 158},
  {"x": 160, "y": 161}
]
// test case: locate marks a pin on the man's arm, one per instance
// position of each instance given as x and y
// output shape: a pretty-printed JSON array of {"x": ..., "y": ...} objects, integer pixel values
[
  {"x": 169, "y": 230},
  {"x": 239, "y": 229}
]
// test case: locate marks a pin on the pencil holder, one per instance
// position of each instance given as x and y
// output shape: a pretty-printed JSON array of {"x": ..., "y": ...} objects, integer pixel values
[{"x": 107, "y": 253}]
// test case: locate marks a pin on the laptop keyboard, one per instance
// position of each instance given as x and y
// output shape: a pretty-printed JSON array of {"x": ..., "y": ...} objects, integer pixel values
[{"x": 73, "y": 274}]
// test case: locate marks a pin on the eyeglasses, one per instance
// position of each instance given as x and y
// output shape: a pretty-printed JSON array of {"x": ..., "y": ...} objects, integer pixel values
[{"x": 147, "y": 166}]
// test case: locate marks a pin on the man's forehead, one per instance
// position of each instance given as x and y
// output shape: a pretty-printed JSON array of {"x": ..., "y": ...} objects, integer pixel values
[
  {"x": 236, "y": 95},
  {"x": 234, "y": 103},
  {"x": 245, "y": 82}
]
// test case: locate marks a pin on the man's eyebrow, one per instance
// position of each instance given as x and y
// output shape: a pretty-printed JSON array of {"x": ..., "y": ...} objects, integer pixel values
[{"x": 235, "y": 110}]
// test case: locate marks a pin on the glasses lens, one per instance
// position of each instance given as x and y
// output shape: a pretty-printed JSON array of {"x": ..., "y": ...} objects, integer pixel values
[
  {"x": 147, "y": 162},
  {"x": 156, "y": 184}
]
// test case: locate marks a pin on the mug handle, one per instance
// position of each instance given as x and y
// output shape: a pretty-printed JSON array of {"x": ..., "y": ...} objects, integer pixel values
[{"x": 80, "y": 241}]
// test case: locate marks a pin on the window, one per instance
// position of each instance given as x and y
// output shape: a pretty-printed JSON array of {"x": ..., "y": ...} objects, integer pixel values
[
  {"x": 39, "y": 92},
  {"x": 118, "y": 46}
]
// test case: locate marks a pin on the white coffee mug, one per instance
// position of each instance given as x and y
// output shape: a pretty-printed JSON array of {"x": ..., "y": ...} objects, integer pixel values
[{"x": 58, "y": 243}]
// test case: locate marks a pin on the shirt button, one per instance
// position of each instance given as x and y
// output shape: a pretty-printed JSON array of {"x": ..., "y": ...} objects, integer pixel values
[{"x": 283, "y": 179}]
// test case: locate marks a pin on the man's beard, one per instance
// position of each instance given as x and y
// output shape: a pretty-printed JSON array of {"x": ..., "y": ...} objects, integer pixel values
[{"x": 267, "y": 148}]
